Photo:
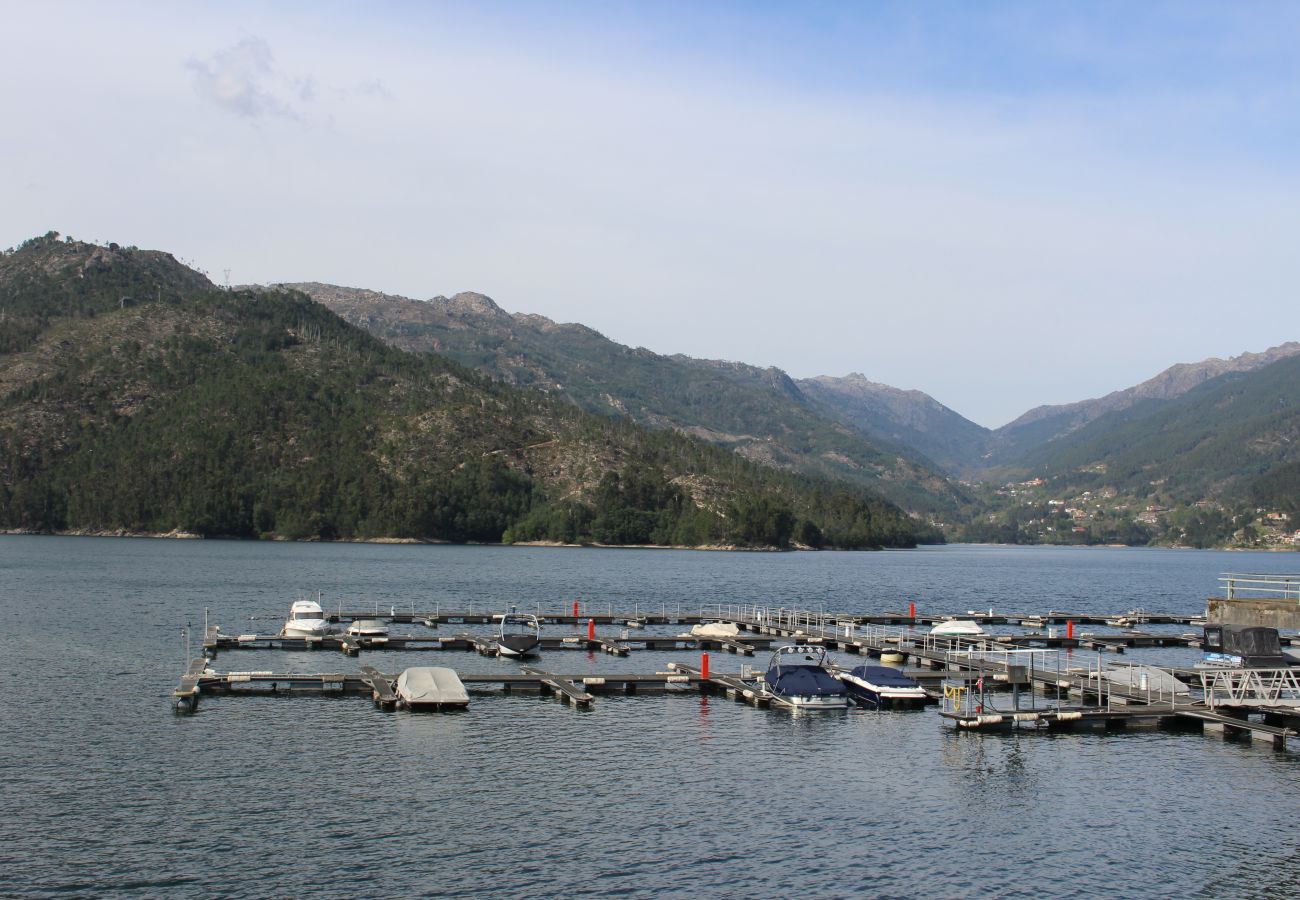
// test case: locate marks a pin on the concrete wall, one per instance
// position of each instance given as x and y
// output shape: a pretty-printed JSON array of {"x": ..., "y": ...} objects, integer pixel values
[{"x": 1279, "y": 614}]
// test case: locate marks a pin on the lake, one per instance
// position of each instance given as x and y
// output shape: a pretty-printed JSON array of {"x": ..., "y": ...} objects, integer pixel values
[{"x": 105, "y": 791}]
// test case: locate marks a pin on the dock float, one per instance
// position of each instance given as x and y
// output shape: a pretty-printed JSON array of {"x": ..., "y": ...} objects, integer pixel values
[
  {"x": 561, "y": 687},
  {"x": 381, "y": 687}
]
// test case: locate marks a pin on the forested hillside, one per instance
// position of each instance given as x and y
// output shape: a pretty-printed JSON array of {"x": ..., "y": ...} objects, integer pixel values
[
  {"x": 759, "y": 413},
  {"x": 135, "y": 396},
  {"x": 1218, "y": 464}
]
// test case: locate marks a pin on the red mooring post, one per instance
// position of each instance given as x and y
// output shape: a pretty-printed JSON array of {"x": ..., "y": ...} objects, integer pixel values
[
  {"x": 591, "y": 629},
  {"x": 1069, "y": 628},
  {"x": 911, "y": 609},
  {"x": 704, "y": 666},
  {"x": 575, "y": 609}
]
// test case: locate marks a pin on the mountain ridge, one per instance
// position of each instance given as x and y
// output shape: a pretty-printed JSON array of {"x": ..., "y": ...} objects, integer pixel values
[
  {"x": 135, "y": 396},
  {"x": 759, "y": 413}
]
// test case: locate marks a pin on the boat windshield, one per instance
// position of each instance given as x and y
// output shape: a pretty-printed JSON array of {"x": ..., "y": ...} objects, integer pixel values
[{"x": 307, "y": 614}]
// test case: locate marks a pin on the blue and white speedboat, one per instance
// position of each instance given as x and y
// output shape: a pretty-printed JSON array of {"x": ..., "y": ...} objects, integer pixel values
[
  {"x": 880, "y": 687},
  {"x": 797, "y": 676}
]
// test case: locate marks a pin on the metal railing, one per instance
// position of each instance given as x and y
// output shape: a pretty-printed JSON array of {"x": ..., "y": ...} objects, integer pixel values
[
  {"x": 1260, "y": 587},
  {"x": 1250, "y": 687}
]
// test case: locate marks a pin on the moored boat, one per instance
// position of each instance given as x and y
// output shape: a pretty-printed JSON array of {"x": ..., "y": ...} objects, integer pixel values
[
  {"x": 1243, "y": 647},
  {"x": 726, "y": 631},
  {"x": 368, "y": 628},
  {"x": 431, "y": 688},
  {"x": 306, "y": 619},
  {"x": 880, "y": 687},
  {"x": 958, "y": 628},
  {"x": 519, "y": 634},
  {"x": 798, "y": 676}
]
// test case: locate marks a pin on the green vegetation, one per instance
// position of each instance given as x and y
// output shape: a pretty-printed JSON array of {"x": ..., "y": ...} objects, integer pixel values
[
  {"x": 135, "y": 396},
  {"x": 1219, "y": 465},
  {"x": 759, "y": 413}
]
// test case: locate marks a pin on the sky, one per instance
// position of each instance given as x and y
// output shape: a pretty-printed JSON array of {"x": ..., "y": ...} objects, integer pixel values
[{"x": 1000, "y": 204}]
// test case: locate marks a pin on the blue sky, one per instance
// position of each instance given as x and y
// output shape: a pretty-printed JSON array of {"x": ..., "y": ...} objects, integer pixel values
[{"x": 1002, "y": 205}]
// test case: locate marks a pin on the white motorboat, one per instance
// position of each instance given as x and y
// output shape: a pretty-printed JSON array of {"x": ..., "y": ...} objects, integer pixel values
[
  {"x": 368, "y": 628},
  {"x": 431, "y": 688},
  {"x": 958, "y": 628},
  {"x": 306, "y": 619},
  {"x": 520, "y": 634}
]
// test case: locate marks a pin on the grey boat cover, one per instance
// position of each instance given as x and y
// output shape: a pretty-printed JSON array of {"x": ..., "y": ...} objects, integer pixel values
[
  {"x": 431, "y": 686},
  {"x": 1157, "y": 680}
]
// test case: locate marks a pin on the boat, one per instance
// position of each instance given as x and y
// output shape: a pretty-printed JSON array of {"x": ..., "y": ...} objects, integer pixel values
[
  {"x": 1146, "y": 678},
  {"x": 1243, "y": 647},
  {"x": 880, "y": 687},
  {"x": 798, "y": 676},
  {"x": 431, "y": 688},
  {"x": 368, "y": 628},
  {"x": 1129, "y": 619},
  {"x": 958, "y": 628},
  {"x": 726, "y": 631},
  {"x": 519, "y": 635},
  {"x": 306, "y": 619}
]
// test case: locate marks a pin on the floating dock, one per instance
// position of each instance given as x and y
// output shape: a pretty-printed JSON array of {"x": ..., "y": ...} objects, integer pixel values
[{"x": 1051, "y": 686}]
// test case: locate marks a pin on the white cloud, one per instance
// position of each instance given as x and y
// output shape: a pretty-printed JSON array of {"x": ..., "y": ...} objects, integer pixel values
[{"x": 244, "y": 80}]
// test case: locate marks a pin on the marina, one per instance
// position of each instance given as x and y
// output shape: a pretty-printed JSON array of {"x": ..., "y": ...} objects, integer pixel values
[
  {"x": 1050, "y": 686},
  {"x": 102, "y": 745}
]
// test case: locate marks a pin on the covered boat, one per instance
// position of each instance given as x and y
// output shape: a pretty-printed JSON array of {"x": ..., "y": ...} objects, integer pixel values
[
  {"x": 880, "y": 687},
  {"x": 519, "y": 635},
  {"x": 1243, "y": 646},
  {"x": 1145, "y": 678},
  {"x": 431, "y": 687},
  {"x": 957, "y": 628},
  {"x": 726, "y": 631},
  {"x": 798, "y": 676}
]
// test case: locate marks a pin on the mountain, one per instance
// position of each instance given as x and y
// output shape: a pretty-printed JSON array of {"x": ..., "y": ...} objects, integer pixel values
[
  {"x": 910, "y": 418},
  {"x": 760, "y": 414},
  {"x": 1014, "y": 442},
  {"x": 1209, "y": 441},
  {"x": 136, "y": 396},
  {"x": 1218, "y": 463}
]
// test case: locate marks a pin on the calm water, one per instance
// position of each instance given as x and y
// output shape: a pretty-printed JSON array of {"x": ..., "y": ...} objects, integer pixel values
[{"x": 104, "y": 791}]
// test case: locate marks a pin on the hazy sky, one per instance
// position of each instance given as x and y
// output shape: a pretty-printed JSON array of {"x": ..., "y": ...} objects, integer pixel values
[{"x": 1002, "y": 205}]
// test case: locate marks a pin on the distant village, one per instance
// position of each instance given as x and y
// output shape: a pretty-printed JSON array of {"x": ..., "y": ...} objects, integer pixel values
[{"x": 1103, "y": 516}]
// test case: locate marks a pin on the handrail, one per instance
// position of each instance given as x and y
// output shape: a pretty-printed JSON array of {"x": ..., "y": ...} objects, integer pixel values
[{"x": 1282, "y": 587}]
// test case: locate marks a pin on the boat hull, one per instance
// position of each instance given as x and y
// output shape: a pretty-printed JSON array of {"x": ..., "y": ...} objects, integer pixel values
[
  {"x": 875, "y": 697},
  {"x": 815, "y": 701},
  {"x": 301, "y": 631},
  {"x": 517, "y": 645}
]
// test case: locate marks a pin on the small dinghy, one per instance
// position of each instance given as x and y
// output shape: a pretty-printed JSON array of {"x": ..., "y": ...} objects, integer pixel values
[
  {"x": 431, "y": 688},
  {"x": 880, "y": 687},
  {"x": 520, "y": 634},
  {"x": 798, "y": 676}
]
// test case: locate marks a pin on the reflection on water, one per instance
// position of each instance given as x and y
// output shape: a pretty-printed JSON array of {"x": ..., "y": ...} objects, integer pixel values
[{"x": 105, "y": 792}]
